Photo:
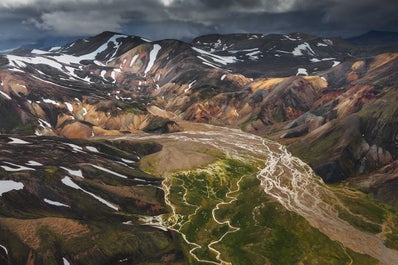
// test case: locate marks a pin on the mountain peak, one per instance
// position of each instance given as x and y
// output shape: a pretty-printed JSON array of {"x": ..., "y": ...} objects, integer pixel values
[{"x": 375, "y": 38}]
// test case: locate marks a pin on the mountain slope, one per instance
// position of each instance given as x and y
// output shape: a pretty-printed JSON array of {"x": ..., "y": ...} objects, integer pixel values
[
  {"x": 103, "y": 85},
  {"x": 49, "y": 188},
  {"x": 330, "y": 102}
]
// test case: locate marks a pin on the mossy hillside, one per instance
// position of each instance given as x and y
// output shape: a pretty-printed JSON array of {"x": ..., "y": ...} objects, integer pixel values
[
  {"x": 374, "y": 123},
  {"x": 104, "y": 243},
  {"x": 367, "y": 214},
  {"x": 319, "y": 150},
  {"x": 263, "y": 231},
  {"x": 107, "y": 239},
  {"x": 12, "y": 121},
  {"x": 380, "y": 120},
  {"x": 334, "y": 155},
  {"x": 281, "y": 237}
]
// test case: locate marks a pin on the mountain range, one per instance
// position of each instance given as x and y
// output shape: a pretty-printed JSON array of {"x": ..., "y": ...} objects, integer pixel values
[{"x": 330, "y": 101}]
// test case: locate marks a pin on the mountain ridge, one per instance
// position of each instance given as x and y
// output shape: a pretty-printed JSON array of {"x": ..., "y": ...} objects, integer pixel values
[
  {"x": 330, "y": 102},
  {"x": 119, "y": 64}
]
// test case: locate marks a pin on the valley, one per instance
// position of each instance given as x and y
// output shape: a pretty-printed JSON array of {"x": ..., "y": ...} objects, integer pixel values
[
  {"x": 230, "y": 149},
  {"x": 198, "y": 197}
]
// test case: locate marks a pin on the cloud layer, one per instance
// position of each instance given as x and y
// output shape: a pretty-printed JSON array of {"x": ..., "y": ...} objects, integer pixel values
[{"x": 183, "y": 19}]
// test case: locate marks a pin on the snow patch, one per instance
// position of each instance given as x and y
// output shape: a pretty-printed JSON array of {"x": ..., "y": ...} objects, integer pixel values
[
  {"x": 216, "y": 58},
  {"x": 253, "y": 55},
  {"x": 319, "y": 44},
  {"x": 127, "y": 161},
  {"x": 289, "y": 38},
  {"x": 135, "y": 57},
  {"x": 20, "y": 62},
  {"x": 92, "y": 149},
  {"x": 5, "y": 249},
  {"x": 55, "y": 203},
  {"x": 103, "y": 47},
  {"x": 328, "y": 59},
  {"x": 298, "y": 51},
  {"x": 15, "y": 167},
  {"x": 69, "y": 182},
  {"x": 9, "y": 185},
  {"x": 113, "y": 75},
  {"x": 69, "y": 106},
  {"x": 65, "y": 261},
  {"x": 103, "y": 72},
  {"x": 50, "y": 101},
  {"x": 40, "y": 52},
  {"x": 190, "y": 86},
  {"x": 44, "y": 123},
  {"x": 315, "y": 60},
  {"x": 75, "y": 148},
  {"x": 335, "y": 63},
  {"x": 302, "y": 71},
  {"x": 152, "y": 57},
  {"x": 76, "y": 173},
  {"x": 5, "y": 95},
  {"x": 33, "y": 163},
  {"x": 109, "y": 171},
  {"x": 223, "y": 77},
  {"x": 17, "y": 141},
  {"x": 99, "y": 63},
  {"x": 54, "y": 49}
]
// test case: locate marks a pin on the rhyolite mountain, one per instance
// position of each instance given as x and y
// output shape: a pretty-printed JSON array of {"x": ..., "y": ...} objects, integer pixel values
[{"x": 331, "y": 101}]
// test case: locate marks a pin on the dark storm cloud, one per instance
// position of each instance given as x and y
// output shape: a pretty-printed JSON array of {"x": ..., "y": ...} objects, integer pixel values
[{"x": 22, "y": 21}]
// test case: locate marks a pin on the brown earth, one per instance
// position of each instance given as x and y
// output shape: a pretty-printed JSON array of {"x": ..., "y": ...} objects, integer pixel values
[
  {"x": 27, "y": 229},
  {"x": 177, "y": 156}
]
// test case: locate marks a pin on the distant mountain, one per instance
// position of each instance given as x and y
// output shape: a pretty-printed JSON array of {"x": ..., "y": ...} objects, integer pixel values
[{"x": 375, "y": 38}]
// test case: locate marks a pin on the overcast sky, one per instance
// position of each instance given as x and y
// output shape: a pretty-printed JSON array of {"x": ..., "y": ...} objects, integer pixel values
[{"x": 37, "y": 22}]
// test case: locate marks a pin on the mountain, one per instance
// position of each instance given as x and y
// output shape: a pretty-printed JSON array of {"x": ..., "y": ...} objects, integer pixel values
[
  {"x": 375, "y": 38},
  {"x": 85, "y": 108}
]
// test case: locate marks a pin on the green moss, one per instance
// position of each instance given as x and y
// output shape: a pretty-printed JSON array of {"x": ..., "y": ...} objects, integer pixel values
[
  {"x": 366, "y": 214},
  {"x": 283, "y": 247},
  {"x": 264, "y": 232},
  {"x": 392, "y": 239},
  {"x": 367, "y": 207},
  {"x": 359, "y": 223},
  {"x": 17, "y": 250},
  {"x": 320, "y": 150}
]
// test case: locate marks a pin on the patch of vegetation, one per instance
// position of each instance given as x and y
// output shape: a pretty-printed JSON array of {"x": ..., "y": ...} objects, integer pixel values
[
  {"x": 363, "y": 212},
  {"x": 261, "y": 231},
  {"x": 17, "y": 250},
  {"x": 367, "y": 207},
  {"x": 359, "y": 223},
  {"x": 282, "y": 236},
  {"x": 367, "y": 214},
  {"x": 320, "y": 150},
  {"x": 392, "y": 239}
]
